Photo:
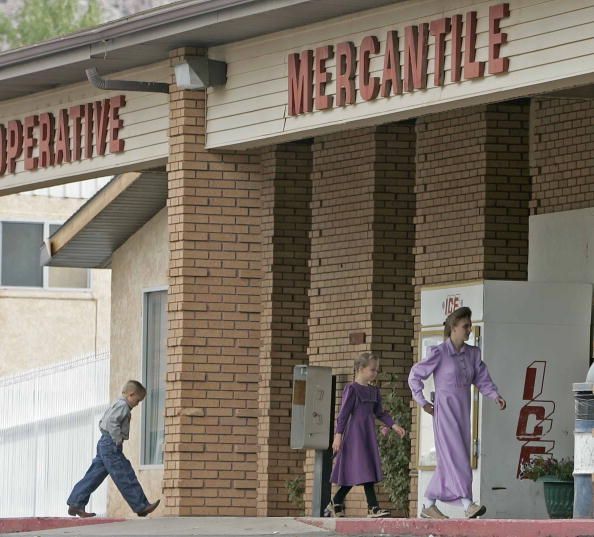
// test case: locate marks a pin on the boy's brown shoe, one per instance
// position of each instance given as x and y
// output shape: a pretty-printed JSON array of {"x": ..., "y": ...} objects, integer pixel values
[
  {"x": 149, "y": 508},
  {"x": 475, "y": 510},
  {"x": 433, "y": 512},
  {"x": 77, "y": 511}
]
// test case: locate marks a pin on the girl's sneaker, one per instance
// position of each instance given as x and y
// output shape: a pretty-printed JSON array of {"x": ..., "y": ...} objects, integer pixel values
[
  {"x": 432, "y": 512},
  {"x": 334, "y": 510},
  {"x": 377, "y": 512},
  {"x": 474, "y": 510}
]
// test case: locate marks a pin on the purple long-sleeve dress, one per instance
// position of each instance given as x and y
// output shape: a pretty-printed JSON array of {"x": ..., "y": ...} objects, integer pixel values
[
  {"x": 453, "y": 373},
  {"x": 358, "y": 460}
]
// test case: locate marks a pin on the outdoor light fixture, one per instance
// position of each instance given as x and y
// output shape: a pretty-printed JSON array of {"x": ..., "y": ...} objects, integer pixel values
[{"x": 199, "y": 72}]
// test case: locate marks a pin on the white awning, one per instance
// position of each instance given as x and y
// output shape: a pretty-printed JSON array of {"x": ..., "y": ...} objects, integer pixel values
[{"x": 91, "y": 235}]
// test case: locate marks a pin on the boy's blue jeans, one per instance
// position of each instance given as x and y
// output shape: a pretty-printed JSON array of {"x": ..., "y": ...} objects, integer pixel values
[{"x": 110, "y": 460}]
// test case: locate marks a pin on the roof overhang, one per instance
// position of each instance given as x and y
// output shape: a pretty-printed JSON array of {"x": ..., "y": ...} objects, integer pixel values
[
  {"x": 89, "y": 238},
  {"x": 148, "y": 37}
]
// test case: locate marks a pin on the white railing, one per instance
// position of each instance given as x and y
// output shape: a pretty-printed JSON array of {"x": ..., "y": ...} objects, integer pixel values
[{"x": 48, "y": 435}]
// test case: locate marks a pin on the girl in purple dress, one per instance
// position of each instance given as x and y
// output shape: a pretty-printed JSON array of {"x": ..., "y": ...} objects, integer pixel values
[
  {"x": 355, "y": 441},
  {"x": 455, "y": 366}
]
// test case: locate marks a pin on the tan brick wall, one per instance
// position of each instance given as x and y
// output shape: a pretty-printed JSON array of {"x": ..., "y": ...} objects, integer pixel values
[
  {"x": 251, "y": 258},
  {"x": 393, "y": 260},
  {"x": 508, "y": 188},
  {"x": 361, "y": 261},
  {"x": 286, "y": 221},
  {"x": 473, "y": 190},
  {"x": 214, "y": 319},
  {"x": 562, "y": 154}
]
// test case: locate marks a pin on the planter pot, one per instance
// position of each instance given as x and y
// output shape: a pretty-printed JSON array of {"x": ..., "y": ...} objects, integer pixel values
[{"x": 558, "y": 498}]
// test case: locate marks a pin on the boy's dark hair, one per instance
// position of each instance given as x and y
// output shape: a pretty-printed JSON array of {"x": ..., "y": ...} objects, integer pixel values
[{"x": 133, "y": 386}]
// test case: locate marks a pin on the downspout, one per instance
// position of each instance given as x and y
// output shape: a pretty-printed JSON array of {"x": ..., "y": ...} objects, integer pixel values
[{"x": 124, "y": 85}]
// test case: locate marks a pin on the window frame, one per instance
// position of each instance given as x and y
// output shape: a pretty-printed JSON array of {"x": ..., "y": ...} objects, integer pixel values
[
  {"x": 45, "y": 269},
  {"x": 143, "y": 350}
]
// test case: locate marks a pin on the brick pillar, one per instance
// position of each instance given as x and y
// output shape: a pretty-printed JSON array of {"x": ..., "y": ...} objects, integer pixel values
[
  {"x": 361, "y": 262},
  {"x": 214, "y": 318},
  {"x": 393, "y": 260},
  {"x": 561, "y": 157},
  {"x": 473, "y": 191},
  {"x": 508, "y": 187},
  {"x": 286, "y": 221}
]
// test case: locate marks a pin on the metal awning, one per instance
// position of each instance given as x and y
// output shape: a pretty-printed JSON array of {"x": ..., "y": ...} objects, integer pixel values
[
  {"x": 147, "y": 37},
  {"x": 91, "y": 235}
]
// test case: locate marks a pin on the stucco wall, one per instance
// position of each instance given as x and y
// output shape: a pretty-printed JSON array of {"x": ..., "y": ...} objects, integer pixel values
[
  {"x": 139, "y": 265},
  {"x": 44, "y": 326}
]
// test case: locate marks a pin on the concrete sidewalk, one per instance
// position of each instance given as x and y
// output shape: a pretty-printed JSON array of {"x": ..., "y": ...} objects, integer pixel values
[
  {"x": 201, "y": 527},
  {"x": 411, "y": 527},
  {"x": 322, "y": 527}
]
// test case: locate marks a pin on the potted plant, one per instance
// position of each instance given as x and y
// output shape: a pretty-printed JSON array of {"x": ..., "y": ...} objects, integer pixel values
[{"x": 557, "y": 478}]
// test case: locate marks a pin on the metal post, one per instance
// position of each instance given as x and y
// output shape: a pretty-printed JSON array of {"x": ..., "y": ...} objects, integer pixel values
[
  {"x": 326, "y": 488},
  {"x": 316, "y": 497},
  {"x": 583, "y": 446}
]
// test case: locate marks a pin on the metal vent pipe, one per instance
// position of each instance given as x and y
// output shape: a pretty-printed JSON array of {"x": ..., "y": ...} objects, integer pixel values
[{"x": 124, "y": 85}]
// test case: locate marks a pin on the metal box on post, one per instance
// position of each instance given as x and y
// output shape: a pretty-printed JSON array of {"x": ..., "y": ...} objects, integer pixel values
[{"x": 310, "y": 416}]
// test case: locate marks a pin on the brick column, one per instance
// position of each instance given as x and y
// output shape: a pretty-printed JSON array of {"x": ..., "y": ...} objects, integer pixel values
[
  {"x": 214, "y": 318},
  {"x": 361, "y": 262},
  {"x": 561, "y": 157},
  {"x": 473, "y": 190},
  {"x": 286, "y": 221}
]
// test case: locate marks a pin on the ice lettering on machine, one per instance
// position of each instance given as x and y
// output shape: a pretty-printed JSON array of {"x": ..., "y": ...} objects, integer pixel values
[
  {"x": 451, "y": 303},
  {"x": 535, "y": 419},
  {"x": 44, "y": 140}
]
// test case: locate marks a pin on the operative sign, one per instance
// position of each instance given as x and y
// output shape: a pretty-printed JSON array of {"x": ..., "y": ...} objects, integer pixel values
[{"x": 79, "y": 132}]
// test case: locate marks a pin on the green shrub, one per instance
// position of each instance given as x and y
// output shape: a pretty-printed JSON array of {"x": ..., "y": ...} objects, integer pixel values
[
  {"x": 394, "y": 451},
  {"x": 296, "y": 488}
]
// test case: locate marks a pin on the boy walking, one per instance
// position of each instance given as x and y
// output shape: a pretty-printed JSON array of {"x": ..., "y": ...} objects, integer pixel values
[{"x": 110, "y": 459}]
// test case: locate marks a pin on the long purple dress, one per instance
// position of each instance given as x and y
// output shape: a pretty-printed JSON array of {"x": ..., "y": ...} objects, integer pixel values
[
  {"x": 358, "y": 460},
  {"x": 453, "y": 373}
]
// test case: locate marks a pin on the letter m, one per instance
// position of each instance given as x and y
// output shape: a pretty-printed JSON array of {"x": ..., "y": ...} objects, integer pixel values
[{"x": 300, "y": 83}]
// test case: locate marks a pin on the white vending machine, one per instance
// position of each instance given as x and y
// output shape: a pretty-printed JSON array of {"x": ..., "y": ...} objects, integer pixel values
[{"x": 535, "y": 340}]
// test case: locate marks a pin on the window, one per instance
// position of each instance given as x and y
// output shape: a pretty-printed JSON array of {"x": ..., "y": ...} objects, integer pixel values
[
  {"x": 20, "y": 254},
  {"x": 20, "y": 244},
  {"x": 153, "y": 376}
]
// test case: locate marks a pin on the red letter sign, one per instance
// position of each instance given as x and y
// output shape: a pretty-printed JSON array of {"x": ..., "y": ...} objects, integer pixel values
[
  {"x": 415, "y": 56},
  {"x": 300, "y": 83},
  {"x": 345, "y": 73},
  {"x": 497, "y": 38},
  {"x": 368, "y": 85},
  {"x": 322, "y": 77}
]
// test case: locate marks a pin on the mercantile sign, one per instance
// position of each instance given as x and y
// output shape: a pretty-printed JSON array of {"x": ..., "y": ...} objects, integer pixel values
[{"x": 308, "y": 74}]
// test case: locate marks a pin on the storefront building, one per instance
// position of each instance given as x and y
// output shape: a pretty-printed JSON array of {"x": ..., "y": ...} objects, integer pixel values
[{"x": 326, "y": 163}]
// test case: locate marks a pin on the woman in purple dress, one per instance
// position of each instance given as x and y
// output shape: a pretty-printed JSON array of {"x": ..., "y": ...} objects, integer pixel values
[
  {"x": 455, "y": 366},
  {"x": 355, "y": 441}
]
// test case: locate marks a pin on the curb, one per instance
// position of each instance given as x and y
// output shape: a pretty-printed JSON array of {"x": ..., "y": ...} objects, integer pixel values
[
  {"x": 18, "y": 525},
  {"x": 455, "y": 528}
]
